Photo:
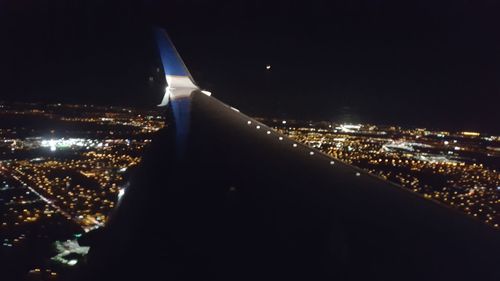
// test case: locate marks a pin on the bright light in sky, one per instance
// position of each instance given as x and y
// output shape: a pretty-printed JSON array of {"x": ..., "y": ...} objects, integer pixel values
[{"x": 268, "y": 66}]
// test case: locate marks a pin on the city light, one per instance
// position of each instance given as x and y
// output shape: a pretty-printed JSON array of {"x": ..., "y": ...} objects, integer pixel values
[
  {"x": 412, "y": 158},
  {"x": 473, "y": 134},
  {"x": 78, "y": 181},
  {"x": 348, "y": 128},
  {"x": 71, "y": 183}
]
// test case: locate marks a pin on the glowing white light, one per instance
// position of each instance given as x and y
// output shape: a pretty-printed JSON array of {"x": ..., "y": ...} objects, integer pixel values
[
  {"x": 311, "y": 153},
  {"x": 280, "y": 138},
  {"x": 235, "y": 109},
  {"x": 249, "y": 122},
  {"x": 349, "y": 128},
  {"x": 258, "y": 127},
  {"x": 283, "y": 122},
  {"x": 332, "y": 162},
  {"x": 72, "y": 262},
  {"x": 121, "y": 192},
  {"x": 268, "y": 66},
  {"x": 52, "y": 144},
  {"x": 166, "y": 98},
  {"x": 294, "y": 145},
  {"x": 358, "y": 174},
  {"x": 206, "y": 93},
  {"x": 268, "y": 132},
  {"x": 446, "y": 142},
  {"x": 457, "y": 148}
]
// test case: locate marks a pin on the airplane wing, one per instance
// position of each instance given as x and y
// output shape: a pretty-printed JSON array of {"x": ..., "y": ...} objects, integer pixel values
[{"x": 221, "y": 196}]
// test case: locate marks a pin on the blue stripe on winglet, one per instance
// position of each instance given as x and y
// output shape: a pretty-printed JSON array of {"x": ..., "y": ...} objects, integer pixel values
[{"x": 172, "y": 62}]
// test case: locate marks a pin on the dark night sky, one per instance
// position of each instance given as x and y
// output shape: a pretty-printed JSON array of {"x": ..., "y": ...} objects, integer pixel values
[{"x": 428, "y": 63}]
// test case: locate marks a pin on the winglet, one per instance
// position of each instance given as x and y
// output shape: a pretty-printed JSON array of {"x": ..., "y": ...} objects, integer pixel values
[{"x": 179, "y": 80}]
